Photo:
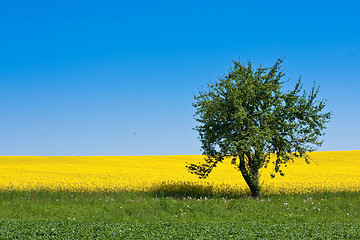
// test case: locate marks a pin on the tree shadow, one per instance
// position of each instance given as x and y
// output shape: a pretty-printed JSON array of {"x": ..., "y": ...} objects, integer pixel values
[{"x": 192, "y": 190}]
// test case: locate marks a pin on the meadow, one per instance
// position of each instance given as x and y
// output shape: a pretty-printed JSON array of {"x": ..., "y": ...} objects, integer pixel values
[{"x": 154, "y": 197}]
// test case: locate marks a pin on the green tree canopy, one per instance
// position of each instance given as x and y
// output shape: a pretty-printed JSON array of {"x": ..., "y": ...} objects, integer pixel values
[{"x": 247, "y": 116}]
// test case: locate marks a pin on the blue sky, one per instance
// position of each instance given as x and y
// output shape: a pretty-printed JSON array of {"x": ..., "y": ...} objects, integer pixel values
[{"x": 118, "y": 77}]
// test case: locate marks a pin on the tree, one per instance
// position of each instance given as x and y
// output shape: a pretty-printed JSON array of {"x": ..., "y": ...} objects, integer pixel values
[{"x": 247, "y": 117}]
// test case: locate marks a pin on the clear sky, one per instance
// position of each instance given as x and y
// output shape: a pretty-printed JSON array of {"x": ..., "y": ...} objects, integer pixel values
[{"x": 118, "y": 77}]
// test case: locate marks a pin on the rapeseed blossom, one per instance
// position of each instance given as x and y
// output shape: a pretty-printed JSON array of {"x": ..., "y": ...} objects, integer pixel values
[{"x": 329, "y": 171}]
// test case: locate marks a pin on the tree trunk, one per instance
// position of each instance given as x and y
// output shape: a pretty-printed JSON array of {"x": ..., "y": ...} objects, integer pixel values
[
  {"x": 251, "y": 177},
  {"x": 254, "y": 185}
]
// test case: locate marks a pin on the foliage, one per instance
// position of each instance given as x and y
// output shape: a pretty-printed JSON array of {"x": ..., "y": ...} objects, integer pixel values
[{"x": 247, "y": 116}]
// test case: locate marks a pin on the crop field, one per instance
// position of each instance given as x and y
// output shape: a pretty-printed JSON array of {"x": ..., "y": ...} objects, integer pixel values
[
  {"x": 328, "y": 171},
  {"x": 68, "y": 230},
  {"x": 154, "y": 197}
]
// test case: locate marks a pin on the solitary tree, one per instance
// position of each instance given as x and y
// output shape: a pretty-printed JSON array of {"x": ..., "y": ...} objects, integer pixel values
[{"x": 246, "y": 116}]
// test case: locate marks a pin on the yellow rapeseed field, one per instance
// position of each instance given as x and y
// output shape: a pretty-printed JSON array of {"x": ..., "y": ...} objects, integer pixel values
[{"x": 329, "y": 171}]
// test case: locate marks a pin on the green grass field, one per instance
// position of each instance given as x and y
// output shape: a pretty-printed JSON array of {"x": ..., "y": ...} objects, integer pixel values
[
  {"x": 130, "y": 215},
  {"x": 21, "y": 229}
]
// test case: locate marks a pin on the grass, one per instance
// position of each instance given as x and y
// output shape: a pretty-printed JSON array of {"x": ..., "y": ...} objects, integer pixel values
[
  {"x": 154, "y": 207},
  {"x": 160, "y": 215},
  {"x": 15, "y": 229}
]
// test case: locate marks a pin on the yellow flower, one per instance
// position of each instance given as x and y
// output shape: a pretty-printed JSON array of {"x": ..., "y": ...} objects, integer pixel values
[{"x": 329, "y": 171}]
